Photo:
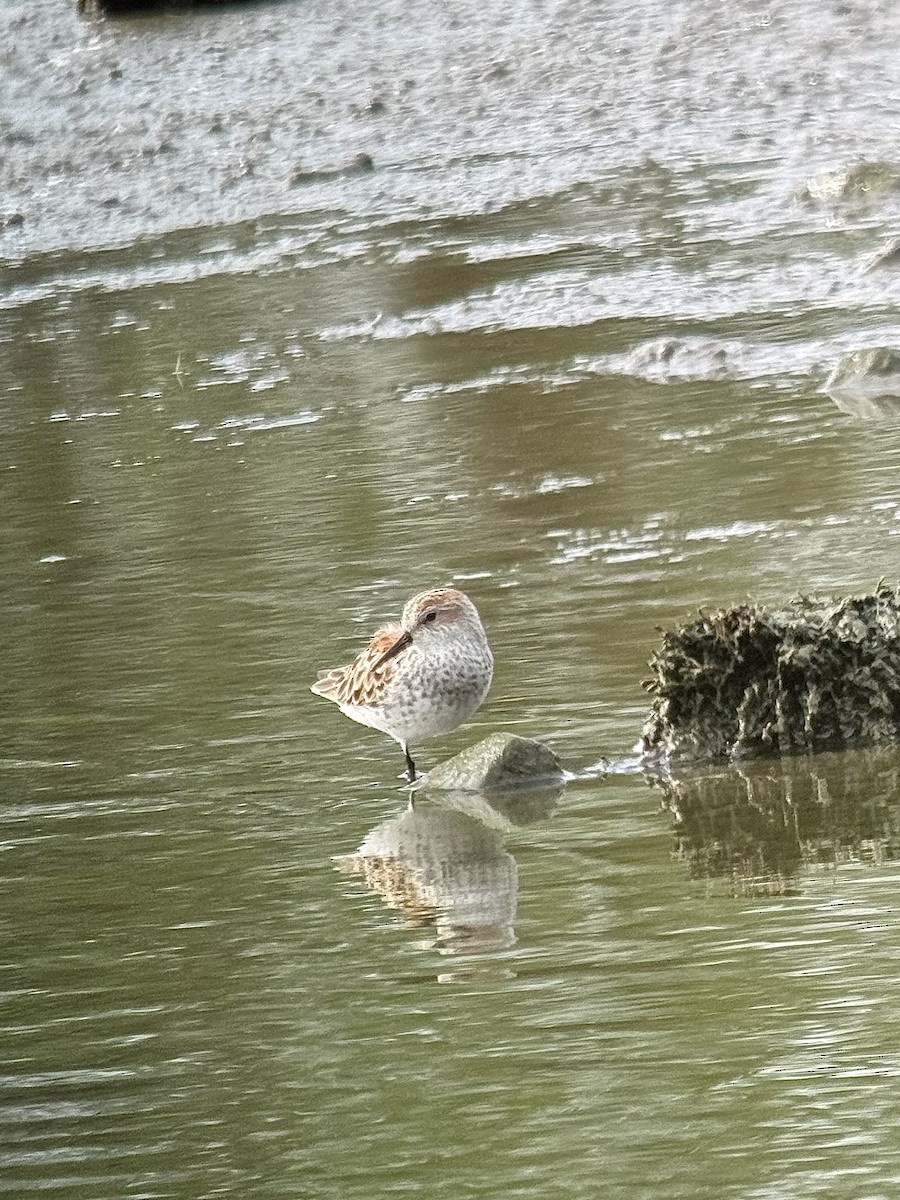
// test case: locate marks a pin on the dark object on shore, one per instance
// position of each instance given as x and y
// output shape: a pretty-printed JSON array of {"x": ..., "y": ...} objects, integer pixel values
[
  {"x": 112, "y": 8},
  {"x": 822, "y": 674},
  {"x": 360, "y": 164}
]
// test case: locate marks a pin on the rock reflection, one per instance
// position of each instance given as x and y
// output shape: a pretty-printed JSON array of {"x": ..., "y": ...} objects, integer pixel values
[
  {"x": 866, "y": 383},
  {"x": 444, "y": 867},
  {"x": 868, "y": 408},
  {"x": 761, "y": 827}
]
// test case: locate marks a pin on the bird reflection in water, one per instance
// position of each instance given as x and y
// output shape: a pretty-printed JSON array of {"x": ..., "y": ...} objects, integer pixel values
[{"x": 444, "y": 867}]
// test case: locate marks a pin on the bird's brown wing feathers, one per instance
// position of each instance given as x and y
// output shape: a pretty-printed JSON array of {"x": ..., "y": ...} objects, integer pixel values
[{"x": 361, "y": 683}]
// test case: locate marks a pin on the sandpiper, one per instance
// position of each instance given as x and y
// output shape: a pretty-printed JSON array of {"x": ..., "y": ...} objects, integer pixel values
[{"x": 420, "y": 678}]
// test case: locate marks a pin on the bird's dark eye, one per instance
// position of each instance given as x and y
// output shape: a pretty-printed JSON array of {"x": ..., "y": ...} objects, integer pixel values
[{"x": 430, "y": 616}]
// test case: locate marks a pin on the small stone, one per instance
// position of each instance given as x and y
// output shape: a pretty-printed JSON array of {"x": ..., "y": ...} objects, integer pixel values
[
  {"x": 361, "y": 164},
  {"x": 501, "y": 761}
]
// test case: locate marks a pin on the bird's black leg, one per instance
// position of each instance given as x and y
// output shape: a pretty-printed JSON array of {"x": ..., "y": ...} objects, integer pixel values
[{"x": 410, "y": 766}]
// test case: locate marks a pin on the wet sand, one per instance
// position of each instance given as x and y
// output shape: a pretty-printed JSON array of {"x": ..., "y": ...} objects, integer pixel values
[{"x": 114, "y": 130}]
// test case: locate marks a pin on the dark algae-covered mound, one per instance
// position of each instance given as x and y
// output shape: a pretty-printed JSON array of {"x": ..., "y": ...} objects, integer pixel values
[{"x": 821, "y": 674}]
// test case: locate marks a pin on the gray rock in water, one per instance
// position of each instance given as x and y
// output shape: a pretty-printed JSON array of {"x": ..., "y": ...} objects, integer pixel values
[{"x": 500, "y": 762}]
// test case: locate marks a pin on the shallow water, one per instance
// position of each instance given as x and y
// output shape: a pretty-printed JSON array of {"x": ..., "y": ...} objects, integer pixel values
[{"x": 576, "y": 368}]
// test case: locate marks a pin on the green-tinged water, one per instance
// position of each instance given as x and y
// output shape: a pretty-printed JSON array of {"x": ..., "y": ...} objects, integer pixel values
[{"x": 583, "y": 384}]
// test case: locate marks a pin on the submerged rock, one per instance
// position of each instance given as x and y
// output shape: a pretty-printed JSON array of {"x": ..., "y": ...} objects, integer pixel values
[
  {"x": 861, "y": 182},
  {"x": 671, "y": 358},
  {"x": 821, "y": 674},
  {"x": 500, "y": 762}
]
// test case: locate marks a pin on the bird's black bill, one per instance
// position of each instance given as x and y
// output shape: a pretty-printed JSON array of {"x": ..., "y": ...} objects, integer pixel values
[{"x": 404, "y": 640}]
